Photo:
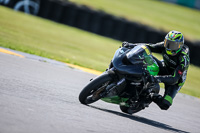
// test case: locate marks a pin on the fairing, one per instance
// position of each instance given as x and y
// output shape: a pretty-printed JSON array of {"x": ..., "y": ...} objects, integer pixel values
[{"x": 133, "y": 61}]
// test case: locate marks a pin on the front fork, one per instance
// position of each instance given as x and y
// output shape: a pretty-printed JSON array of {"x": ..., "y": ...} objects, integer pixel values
[
  {"x": 114, "y": 89},
  {"x": 121, "y": 84}
]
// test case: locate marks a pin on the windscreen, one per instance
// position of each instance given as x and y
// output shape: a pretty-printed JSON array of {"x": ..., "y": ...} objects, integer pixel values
[{"x": 140, "y": 54}]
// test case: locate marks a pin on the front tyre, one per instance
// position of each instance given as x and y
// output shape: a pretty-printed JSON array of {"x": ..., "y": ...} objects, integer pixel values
[{"x": 91, "y": 92}]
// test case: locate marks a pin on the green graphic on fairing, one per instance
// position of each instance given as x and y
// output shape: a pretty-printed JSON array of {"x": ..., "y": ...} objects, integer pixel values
[
  {"x": 116, "y": 100},
  {"x": 140, "y": 53},
  {"x": 153, "y": 69},
  {"x": 170, "y": 52},
  {"x": 152, "y": 65}
]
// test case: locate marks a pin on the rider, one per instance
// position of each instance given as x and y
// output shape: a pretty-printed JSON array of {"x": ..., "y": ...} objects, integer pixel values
[{"x": 173, "y": 70}]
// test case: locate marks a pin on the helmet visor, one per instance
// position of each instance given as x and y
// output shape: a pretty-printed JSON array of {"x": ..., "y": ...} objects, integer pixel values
[{"x": 172, "y": 45}]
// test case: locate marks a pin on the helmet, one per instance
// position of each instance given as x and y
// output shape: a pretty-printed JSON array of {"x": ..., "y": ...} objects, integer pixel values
[{"x": 173, "y": 42}]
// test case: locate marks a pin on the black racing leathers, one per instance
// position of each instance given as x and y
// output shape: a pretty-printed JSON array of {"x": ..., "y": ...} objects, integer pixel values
[
  {"x": 176, "y": 66},
  {"x": 172, "y": 71}
]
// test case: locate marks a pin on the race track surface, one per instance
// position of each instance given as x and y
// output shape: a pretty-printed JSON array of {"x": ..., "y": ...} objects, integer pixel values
[{"x": 38, "y": 95}]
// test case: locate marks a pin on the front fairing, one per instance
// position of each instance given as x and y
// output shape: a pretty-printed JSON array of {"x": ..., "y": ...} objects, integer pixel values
[{"x": 118, "y": 63}]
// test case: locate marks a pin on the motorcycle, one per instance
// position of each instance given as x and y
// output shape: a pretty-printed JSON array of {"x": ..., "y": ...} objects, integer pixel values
[{"x": 126, "y": 81}]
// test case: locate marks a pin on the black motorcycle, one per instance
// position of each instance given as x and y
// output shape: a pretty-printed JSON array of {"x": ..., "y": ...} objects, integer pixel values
[{"x": 126, "y": 82}]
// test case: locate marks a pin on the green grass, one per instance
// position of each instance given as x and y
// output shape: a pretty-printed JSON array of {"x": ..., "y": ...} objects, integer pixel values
[
  {"x": 155, "y": 13},
  {"x": 38, "y": 36},
  {"x": 192, "y": 85},
  {"x": 52, "y": 40}
]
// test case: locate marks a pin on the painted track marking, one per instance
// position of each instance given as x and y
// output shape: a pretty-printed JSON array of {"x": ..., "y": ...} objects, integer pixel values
[
  {"x": 9, "y": 52},
  {"x": 70, "y": 65}
]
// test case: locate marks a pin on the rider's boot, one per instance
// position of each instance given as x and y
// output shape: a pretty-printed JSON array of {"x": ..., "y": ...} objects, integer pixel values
[{"x": 160, "y": 101}]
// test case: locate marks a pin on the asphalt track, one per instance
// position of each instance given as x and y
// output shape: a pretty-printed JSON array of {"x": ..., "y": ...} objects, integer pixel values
[{"x": 38, "y": 95}]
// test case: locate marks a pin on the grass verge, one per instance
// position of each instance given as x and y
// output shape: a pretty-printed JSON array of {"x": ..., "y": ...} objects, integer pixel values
[
  {"x": 56, "y": 41},
  {"x": 41, "y": 37}
]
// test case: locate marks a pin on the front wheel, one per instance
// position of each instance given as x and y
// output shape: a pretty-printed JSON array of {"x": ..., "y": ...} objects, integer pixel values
[{"x": 92, "y": 92}]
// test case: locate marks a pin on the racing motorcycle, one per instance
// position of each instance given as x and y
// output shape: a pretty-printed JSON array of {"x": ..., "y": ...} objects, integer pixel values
[{"x": 127, "y": 80}]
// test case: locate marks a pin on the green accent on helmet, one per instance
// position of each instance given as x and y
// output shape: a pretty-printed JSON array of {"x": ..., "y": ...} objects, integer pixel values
[
  {"x": 168, "y": 98},
  {"x": 169, "y": 52},
  {"x": 178, "y": 50},
  {"x": 172, "y": 52},
  {"x": 174, "y": 35},
  {"x": 173, "y": 42}
]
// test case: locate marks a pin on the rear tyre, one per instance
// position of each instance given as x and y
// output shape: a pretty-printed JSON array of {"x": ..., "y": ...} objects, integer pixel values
[
  {"x": 129, "y": 110},
  {"x": 91, "y": 92}
]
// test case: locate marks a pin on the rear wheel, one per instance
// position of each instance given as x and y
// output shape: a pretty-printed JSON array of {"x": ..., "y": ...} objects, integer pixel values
[
  {"x": 129, "y": 110},
  {"x": 92, "y": 92},
  {"x": 142, "y": 104}
]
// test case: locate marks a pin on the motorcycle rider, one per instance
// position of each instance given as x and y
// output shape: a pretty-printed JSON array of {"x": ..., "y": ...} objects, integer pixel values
[{"x": 173, "y": 70}]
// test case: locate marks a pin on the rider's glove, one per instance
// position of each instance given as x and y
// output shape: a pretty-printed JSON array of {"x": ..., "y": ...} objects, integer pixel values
[{"x": 125, "y": 44}]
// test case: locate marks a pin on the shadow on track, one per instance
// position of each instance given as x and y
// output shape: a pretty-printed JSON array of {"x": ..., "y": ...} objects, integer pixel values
[{"x": 142, "y": 120}]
